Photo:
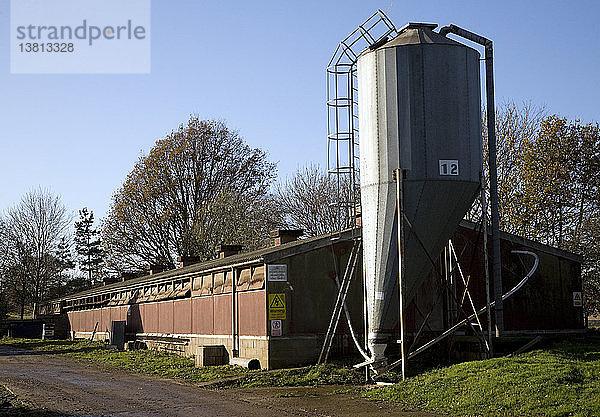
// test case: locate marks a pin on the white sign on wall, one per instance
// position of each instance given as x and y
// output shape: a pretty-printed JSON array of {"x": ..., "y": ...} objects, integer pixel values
[
  {"x": 277, "y": 273},
  {"x": 448, "y": 167},
  {"x": 577, "y": 299},
  {"x": 275, "y": 327}
]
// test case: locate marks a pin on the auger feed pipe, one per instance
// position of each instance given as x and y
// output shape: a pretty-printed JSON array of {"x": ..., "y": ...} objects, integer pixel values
[
  {"x": 481, "y": 311},
  {"x": 472, "y": 316},
  {"x": 492, "y": 163}
]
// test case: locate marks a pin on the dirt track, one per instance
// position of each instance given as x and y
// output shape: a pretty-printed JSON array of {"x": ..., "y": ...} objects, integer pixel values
[{"x": 76, "y": 388}]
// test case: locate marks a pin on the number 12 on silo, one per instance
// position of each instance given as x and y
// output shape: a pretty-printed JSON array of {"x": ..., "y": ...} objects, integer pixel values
[{"x": 448, "y": 167}]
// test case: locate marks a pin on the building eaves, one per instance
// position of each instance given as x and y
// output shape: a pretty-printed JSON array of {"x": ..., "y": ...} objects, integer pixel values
[
  {"x": 529, "y": 243},
  {"x": 264, "y": 255}
]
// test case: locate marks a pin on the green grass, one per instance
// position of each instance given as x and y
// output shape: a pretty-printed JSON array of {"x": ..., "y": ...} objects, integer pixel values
[
  {"x": 176, "y": 367},
  {"x": 328, "y": 374},
  {"x": 563, "y": 380}
]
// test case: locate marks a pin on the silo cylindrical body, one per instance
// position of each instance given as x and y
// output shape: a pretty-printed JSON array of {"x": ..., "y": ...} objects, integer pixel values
[{"x": 419, "y": 111}]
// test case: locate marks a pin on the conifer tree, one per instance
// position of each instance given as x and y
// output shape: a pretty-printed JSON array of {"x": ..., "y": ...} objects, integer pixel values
[{"x": 90, "y": 255}]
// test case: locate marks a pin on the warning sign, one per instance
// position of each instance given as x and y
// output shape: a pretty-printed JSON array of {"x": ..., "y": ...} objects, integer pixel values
[
  {"x": 277, "y": 306},
  {"x": 275, "y": 327},
  {"x": 577, "y": 299}
]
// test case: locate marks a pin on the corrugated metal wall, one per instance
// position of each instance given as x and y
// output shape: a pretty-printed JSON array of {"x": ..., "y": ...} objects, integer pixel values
[
  {"x": 206, "y": 310},
  {"x": 206, "y": 315}
]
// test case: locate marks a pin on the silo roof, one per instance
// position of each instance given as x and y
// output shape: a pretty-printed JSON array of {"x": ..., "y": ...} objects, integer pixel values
[{"x": 419, "y": 33}]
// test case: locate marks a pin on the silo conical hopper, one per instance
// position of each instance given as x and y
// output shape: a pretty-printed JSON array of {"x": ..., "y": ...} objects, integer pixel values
[{"x": 420, "y": 111}]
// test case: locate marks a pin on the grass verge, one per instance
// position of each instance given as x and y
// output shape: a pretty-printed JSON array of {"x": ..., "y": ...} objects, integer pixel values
[
  {"x": 562, "y": 380},
  {"x": 176, "y": 367}
]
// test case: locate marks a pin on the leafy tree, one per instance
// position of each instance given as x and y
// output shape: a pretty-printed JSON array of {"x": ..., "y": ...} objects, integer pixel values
[
  {"x": 199, "y": 186},
  {"x": 549, "y": 185},
  {"x": 560, "y": 193},
  {"x": 90, "y": 255},
  {"x": 305, "y": 200},
  {"x": 516, "y": 126}
]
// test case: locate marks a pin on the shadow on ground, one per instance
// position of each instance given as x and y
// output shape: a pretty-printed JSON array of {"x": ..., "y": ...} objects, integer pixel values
[
  {"x": 11, "y": 406},
  {"x": 18, "y": 349}
]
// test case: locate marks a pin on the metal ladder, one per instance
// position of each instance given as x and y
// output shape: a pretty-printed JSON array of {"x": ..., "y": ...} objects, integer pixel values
[{"x": 340, "y": 301}]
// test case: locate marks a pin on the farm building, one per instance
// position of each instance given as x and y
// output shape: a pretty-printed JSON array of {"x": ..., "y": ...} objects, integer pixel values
[{"x": 274, "y": 305}]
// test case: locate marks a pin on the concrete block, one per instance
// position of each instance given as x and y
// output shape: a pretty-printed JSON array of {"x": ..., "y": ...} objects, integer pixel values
[
  {"x": 135, "y": 345},
  {"x": 210, "y": 355}
]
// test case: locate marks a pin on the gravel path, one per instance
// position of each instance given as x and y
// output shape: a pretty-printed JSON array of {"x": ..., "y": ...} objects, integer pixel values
[{"x": 75, "y": 388}]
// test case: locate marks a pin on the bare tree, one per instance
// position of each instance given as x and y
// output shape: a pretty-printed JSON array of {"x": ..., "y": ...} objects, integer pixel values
[
  {"x": 35, "y": 228},
  {"x": 4, "y": 267},
  {"x": 306, "y": 201}
]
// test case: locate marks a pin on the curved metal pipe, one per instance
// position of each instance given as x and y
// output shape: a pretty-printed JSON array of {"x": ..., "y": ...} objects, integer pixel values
[
  {"x": 524, "y": 280},
  {"x": 471, "y": 317},
  {"x": 352, "y": 332}
]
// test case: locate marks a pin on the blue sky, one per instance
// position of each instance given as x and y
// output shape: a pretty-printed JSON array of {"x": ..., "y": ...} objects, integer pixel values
[{"x": 259, "y": 65}]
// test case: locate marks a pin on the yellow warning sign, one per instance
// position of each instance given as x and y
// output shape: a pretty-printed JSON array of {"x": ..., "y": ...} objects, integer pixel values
[
  {"x": 577, "y": 300},
  {"x": 277, "y": 306}
]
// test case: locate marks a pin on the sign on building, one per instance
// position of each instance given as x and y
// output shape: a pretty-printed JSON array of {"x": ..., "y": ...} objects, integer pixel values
[
  {"x": 275, "y": 327},
  {"x": 277, "y": 306},
  {"x": 277, "y": 273},
  {"x": 577, "y": 299}
]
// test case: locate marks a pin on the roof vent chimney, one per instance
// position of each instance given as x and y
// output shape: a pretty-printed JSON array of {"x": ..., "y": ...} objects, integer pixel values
[
  {"x": 125, "y": 276},
  {"x": 228, "y": 250},
  {"x": 156, "y": 269},
  {"x": 281, "y": 236},
  {"x": 111, "y": 280},
  {"x": 183, "y": 261}
]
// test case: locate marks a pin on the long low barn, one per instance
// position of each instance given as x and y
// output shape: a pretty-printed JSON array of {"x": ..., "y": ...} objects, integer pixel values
[{"x": 274, "y": 305}]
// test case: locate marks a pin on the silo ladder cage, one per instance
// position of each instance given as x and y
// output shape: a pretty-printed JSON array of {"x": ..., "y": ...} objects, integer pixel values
[{"x": 342, "y": 113}]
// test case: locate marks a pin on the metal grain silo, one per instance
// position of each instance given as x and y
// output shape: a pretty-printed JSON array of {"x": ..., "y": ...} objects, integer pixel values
[{"x": 419, "y": 111}]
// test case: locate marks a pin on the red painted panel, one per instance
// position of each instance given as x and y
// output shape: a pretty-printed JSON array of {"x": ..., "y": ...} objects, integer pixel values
[
  {"x": 123, "y": 313},
  {"x": 108, "y": 318},
  {"x": 114, "y": 315},
  {"x": 142, "y": 312},
  {"x": 80, "y": 320},
  {"x": 73, "y": 320},
  {"x": 97, "y": 318},
  {"x": 87, "y": 320},
  {"x": 165, "y": 317},
  {"x": 77, "y": 317},
  {"x": 183, "y": 316},
  {"x": 252, "y": 313},
  {"x": 222, "y": 314},
  {"x": 104, "y": 324},
  {"x": 83, "y": 319},
  {"x": 202, "y": 319},
  {"x": 151, "y": 318}
]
